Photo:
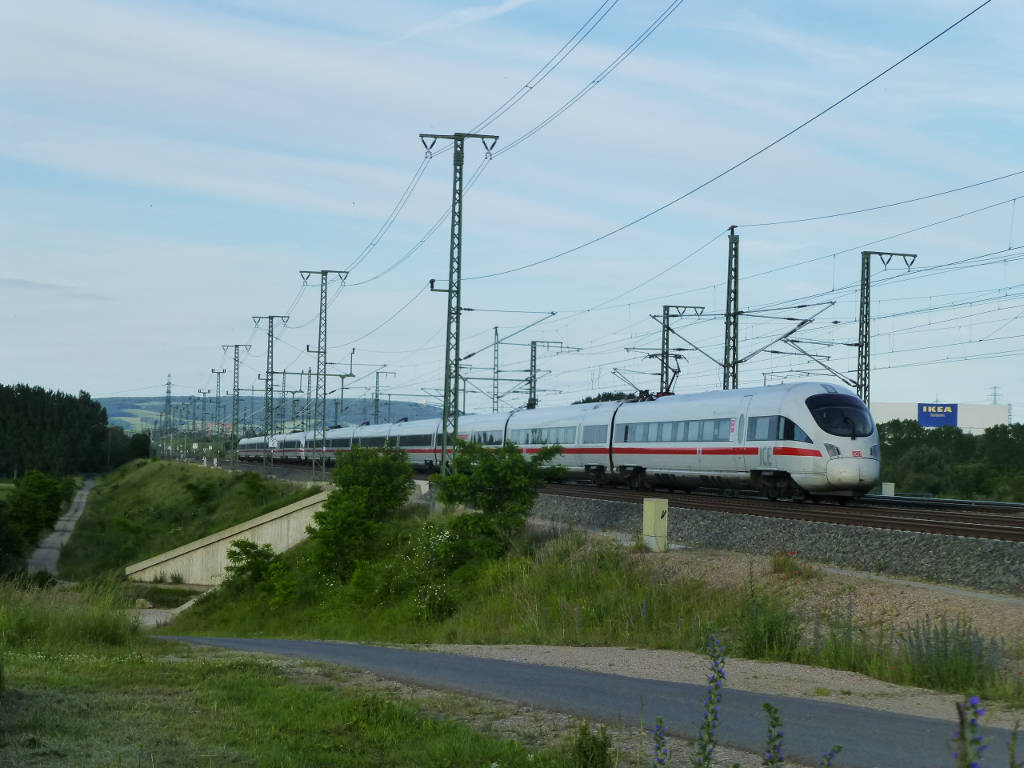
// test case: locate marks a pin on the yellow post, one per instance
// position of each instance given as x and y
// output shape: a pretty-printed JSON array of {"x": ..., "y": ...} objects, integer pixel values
[{"x": 656, "y": 524}]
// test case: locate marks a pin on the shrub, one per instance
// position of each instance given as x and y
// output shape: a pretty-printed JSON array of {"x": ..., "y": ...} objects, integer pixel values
[
  {"x": 35, "y": 505},
  {"x": 501, "y": 483},
  {"x": 250, "y": 564},
  {"x": 372, "y": 485}
]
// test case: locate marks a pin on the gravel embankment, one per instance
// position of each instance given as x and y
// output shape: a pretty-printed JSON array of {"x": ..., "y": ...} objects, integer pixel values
[{"x": 968, "y": 562}]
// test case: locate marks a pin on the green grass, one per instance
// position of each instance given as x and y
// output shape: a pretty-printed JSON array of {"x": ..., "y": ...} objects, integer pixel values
[
  {"x": 82, "y": 687},
  {"x": 5, "y": 490},
  {"x": 576, "y": 590},
  {"x": 148, "y": 507}
]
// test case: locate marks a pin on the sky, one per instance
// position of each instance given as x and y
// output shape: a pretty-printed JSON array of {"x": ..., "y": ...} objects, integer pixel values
[{"x": 167, "y": 169}]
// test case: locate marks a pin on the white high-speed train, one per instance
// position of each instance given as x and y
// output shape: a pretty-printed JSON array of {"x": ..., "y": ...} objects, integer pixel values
[{"x": 791, "y": 440}]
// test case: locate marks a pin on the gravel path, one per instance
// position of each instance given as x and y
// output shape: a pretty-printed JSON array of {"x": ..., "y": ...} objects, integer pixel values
[{"x": 46, "y": 556}]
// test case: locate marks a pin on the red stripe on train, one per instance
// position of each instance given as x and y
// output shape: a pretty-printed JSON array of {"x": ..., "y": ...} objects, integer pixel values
[
  {"x": 657, "y": 451},
  {"x": 746, "y": 451},
  {"x": 782, "y": 450}
]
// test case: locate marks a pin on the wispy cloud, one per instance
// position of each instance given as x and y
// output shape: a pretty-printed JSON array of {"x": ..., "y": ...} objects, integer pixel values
[
  {"x": 465, "y": 16},
  {"x": 34, "y": 286}
]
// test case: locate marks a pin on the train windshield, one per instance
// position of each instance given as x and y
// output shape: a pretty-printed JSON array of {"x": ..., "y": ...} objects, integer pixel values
[{"x": 842, "y": 415}]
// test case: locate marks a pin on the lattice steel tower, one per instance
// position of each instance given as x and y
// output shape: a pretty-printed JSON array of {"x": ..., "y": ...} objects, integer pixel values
[
  {"x": 864, "y": 319},
  {"x": 450, "y": 407},
  {"x": 234, "y": 385},
  {"x": 268, "y": 384},
  {"x": 731, "y": 359},
  {"x": 320, "y": 403}
]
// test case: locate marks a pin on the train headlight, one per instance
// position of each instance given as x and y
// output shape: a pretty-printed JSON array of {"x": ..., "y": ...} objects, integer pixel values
[{"x": 833, "y": 451}]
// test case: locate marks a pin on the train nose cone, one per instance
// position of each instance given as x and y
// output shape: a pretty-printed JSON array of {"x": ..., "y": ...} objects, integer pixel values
[{"x": 852, "y": 473}]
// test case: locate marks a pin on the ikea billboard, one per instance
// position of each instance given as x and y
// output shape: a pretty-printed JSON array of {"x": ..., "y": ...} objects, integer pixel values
[{"x": 936, "y": 414}]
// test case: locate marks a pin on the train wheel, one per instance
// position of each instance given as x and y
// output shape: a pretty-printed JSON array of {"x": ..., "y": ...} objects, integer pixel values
[{"x": 843, "y": 500}]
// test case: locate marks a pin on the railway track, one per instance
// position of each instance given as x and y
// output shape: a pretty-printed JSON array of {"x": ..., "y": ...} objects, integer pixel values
[
  {"x": 977, "y": 519},
  {"x": 971, "y": 522}
]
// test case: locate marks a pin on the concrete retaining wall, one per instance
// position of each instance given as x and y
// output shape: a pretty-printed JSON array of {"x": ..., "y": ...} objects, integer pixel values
[{"x": 203, "y": 562}]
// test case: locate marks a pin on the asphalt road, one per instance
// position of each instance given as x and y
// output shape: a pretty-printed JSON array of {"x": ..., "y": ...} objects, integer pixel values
[
  {"x": 869, "y": 738},
  {"x": 46, "y": 556}
]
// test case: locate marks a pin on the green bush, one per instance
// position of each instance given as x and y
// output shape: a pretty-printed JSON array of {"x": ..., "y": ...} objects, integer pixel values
[
  {"x": 372, "y": 486},
  {"x": 250, "y": 565},
  {"x": 500, "y": 484}
]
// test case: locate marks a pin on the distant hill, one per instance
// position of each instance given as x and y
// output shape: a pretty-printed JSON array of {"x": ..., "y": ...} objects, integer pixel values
[{"x": 140, "y": 413}]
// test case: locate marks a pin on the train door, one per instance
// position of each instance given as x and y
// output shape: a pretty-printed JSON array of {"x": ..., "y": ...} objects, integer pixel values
[{"x": 741, "y": 460}]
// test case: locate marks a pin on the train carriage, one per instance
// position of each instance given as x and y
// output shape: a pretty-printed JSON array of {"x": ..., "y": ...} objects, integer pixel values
[{"x": 797, "y": 440}]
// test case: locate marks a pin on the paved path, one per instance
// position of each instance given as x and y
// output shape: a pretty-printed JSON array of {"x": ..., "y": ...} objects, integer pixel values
[
  {"x": 46, "y": 556},
  {"x": 870, "y": 739}
]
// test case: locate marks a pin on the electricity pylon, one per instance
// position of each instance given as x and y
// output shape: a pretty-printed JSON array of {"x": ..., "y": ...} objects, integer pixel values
[
  {"x": 731, "y": 358},
  {"x": 376, "y": 394},
  {"x": 864, "y": 319},
  {"x": 234, "y": 388},
  {"x": 320, "y": 403},
  {"x": 216, "y": 406},
  {"x": 450, "y": 407},
  {"x": 531, "y": 401},
  {"x": 204, "y": 393},
  {"x": 268, "y": 384}
]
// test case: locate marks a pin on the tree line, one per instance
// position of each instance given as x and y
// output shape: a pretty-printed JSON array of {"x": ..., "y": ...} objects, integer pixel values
[
  {"x": 945, "y": 461},
  {"x": 59, "y": 434}
]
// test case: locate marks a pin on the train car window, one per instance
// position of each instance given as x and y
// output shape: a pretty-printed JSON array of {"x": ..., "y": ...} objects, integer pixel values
[
  {"x": 620, "y": 433},
  {"x": 790, "y": 431},
  {"x": 693, "y": 431},
  {"x": 841, "y": 415},
  {"x": 762, "y": 428},
  {"x": 638, "y": 433},
  {"x": 519, "y": 436},
  {"x": 707, "y": 430},
  {"x": 595, "y": 433}
]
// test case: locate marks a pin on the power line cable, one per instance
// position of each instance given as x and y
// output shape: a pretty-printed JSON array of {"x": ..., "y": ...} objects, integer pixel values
[
  {"x": 550, "y": 65},
  {"x": 883, "y": 206},
  {"x": 736, "y": 165},
  {"x": 637, "y": 42}
]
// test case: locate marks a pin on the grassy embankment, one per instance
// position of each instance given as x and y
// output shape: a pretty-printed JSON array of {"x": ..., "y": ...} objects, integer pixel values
[
  {"x": 576, "y": 590},
  {"x": 148, "y": 507},
  {"x": 79, "y": 685}
]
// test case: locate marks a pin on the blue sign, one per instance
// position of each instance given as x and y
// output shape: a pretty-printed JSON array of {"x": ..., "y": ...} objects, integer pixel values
[{"x": 936, "y": 414}]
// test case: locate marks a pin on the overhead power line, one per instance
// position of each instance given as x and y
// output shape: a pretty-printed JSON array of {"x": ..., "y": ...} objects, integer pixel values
[
  {"x": 538, "y": 77},
  {"x": 637, "y": 42},
  {"x": 738, "y": 164},
  {"x": 882, "y": 206},
  {"x": 550, "y": 65}
]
